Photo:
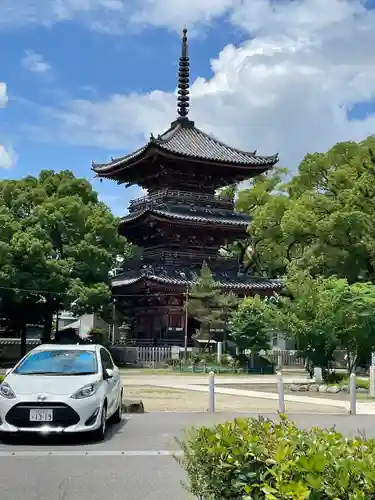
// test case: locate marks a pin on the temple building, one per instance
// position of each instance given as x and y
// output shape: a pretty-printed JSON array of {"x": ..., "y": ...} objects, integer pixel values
[{"x": 181, "y": 222}]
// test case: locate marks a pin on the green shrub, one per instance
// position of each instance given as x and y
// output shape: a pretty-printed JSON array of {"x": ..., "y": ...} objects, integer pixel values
[
  {"x": 363, "y": 383},
  {"x": 1, "y": 378},
  {"x": 99, "y": 336},
  {"x": 335, "y": 378},
  {"x": 261, "y": 459}
]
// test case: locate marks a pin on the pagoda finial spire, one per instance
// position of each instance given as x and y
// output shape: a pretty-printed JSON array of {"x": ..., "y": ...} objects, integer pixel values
[{"x": 183, "y": 78}]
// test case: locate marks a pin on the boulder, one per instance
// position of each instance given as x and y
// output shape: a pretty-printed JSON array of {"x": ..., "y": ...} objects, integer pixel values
[
  {"x": 334, "y": 389},
  {"x": 303, "y": 388},
  {"x": 294, "y": 387},
  {"x": 313, "y": 388},
  {"x": 132, "y": 406},
  {"x": 323, "y": 388}
]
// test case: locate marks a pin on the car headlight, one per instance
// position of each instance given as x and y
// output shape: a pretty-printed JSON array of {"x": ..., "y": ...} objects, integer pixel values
[
  {"x": 86, "y": 391},
  {"x": 6, "y": 391}
]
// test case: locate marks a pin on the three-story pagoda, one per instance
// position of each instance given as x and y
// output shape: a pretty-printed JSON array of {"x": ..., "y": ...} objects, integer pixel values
[{"x": 181, "y": 222}]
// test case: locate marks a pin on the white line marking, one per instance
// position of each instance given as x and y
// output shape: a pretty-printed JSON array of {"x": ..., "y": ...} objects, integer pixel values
[{"x": 89, "y": 453}]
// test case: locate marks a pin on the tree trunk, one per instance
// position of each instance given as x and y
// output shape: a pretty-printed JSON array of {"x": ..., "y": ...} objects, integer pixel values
[
  {"x": 47, "y": 325},
  {"x": 23, "y": 345}
]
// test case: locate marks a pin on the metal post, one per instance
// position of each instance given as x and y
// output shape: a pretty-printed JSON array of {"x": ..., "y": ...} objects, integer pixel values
[
  {"x": 372, "y": 382},
  {"x": 211, "y": 392},
  {"x": 57, "y": 320},
  {"x": 219, "y": 352},
  {"x": 372, "y": 377},
  {"x": 113, "y": 320},
  {"x": 186, "y": 323},
  {"x": 279, "y": 362},
  {"x": 280, "y": 391},
  {"x": 353, "y": 394}
]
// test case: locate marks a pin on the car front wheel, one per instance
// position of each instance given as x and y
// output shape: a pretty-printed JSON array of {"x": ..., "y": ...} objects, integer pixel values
[
  {"x": 99, "y": 434},
  {"x": 116, "y": 417}
]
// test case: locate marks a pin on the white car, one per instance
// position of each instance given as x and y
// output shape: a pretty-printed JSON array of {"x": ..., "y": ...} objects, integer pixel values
[{"x": 61, "y": 389}]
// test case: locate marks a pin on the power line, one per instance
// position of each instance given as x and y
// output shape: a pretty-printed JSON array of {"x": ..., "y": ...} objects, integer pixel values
[{"x": 114, "y": 295}]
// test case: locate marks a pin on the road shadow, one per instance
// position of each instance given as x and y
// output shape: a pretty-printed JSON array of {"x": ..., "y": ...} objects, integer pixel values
[{"x": 63, "y": 439}]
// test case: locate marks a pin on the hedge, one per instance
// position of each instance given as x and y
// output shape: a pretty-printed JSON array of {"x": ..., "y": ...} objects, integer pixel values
[{"x": 261, "y": 459}]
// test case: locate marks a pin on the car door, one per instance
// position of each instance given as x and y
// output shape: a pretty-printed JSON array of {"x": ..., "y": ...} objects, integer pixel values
[{"x": 113, "y": 383}]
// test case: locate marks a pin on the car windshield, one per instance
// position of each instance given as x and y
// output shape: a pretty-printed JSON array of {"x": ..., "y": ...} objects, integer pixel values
[{"x": 59, "y": 362}]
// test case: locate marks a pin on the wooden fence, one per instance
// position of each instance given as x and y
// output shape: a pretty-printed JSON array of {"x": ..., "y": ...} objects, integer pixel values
[
  {"x": 288, "y": 357},
  {"x": 158, "y": 356},
  {"x": 141, "y": 355}
]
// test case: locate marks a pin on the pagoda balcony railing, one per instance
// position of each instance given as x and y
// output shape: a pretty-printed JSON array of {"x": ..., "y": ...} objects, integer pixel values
[
  {"x": 159, "y": 197},
  {"x": 157, "y": 265}
]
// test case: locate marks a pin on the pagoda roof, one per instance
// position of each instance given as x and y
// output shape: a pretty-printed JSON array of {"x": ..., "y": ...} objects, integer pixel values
[
  {"x": 184, "y": 140},
  {"x": 173, "y": 276},
  {"x": 199, "y": 216}
]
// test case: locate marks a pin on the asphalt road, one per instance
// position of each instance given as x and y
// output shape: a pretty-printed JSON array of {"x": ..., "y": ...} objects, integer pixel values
[{"x": 135, "y": 461}]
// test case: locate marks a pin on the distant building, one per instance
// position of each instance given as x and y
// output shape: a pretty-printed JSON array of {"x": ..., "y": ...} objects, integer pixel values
[{"x": 82, "y": 324}]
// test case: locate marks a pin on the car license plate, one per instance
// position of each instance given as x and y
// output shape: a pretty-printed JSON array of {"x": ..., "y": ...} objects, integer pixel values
[{"x": 41, "y": 415}]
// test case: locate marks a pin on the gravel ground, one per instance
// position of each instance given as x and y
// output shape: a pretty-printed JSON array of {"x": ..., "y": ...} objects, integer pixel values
[
  {"x": 341, "y": 396},
  {"x": 157, "y": 399}
]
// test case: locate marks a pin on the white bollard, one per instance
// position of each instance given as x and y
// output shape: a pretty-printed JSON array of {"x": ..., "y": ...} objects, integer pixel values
[
  {"x": 219, "y": 352},
  {"x": 280, "y": 390},
  {"x": 372, "y": 382},
  {"x": 318, "y": 375},
  {"x": 353, "y": 394},
  {"x": 211, "y": 392},
  {"x": 279, "y": 362}
]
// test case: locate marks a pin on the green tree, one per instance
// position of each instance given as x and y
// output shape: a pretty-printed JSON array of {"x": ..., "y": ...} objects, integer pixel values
[
  {"x": 354, "y": 319},
  {"x": 249, "y": 327},
  {"x": 265, "y": 200},
  {"x": 228, "y": 303},
  {"x": 322, "y": 220},
  {"x": 304, "y": 316},
  {"x": 324, "y": 314},
  {"x": 209, "y": 305},
  {"x": 58, "y": 245}
]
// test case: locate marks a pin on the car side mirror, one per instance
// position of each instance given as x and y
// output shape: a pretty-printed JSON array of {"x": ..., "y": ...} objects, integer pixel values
[{"x": 107, "y": 373}]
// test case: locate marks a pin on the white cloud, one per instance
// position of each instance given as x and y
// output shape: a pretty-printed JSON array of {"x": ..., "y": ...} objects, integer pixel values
[
  {"x": 287, "y": 90},
  {"x": 113, "y": 16},
  {"x": 3, "y": 95},
  {"x": 7, "y": 157},
  {"x": 96, "y": 14},
  {"x": 34, "y": 62},
  {"x": 174, "y": 14}
]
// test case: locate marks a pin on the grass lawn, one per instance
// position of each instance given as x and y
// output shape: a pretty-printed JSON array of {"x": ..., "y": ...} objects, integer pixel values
[{"x": 160, "y": 399}]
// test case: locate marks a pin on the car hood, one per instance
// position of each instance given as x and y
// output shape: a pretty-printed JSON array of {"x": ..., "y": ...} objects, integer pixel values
[{"x": 56, "y": 385}]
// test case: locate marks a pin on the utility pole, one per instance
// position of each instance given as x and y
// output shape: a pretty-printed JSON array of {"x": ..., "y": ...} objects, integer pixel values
[
  {"x": 186, "y": 322},
  {"x": 113, "y": 320}
]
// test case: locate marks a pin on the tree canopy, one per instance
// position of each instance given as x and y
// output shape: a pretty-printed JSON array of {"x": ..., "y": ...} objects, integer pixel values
[
  {"x": 317, "y": 231},
  {"x": 58, "y": 245},
  {"x": 320, "y": 315},
  {"x": 322, "y": 220},
  {"x": 209, "y": 305},
  {"x": 249, "y": 328}
]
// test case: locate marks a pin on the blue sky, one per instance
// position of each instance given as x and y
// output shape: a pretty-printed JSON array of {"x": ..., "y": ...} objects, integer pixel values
[
  {"x": 84, "y": 83},
  {"x": 82, "y": 64}
]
